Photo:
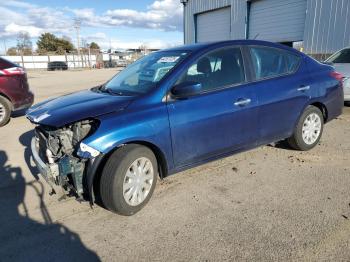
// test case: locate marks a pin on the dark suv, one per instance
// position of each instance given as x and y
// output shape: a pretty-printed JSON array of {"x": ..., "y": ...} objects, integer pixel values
[
  {"x": 14, "y": 90},
  {"x": 57, "y": 65}
]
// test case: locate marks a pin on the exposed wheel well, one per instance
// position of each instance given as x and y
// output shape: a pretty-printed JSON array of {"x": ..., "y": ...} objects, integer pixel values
[
  {"x": 163, "y": 167},
  {"x": 323, "y": 109}
]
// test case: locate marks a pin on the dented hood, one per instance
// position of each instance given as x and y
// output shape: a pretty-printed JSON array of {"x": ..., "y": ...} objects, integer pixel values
[{"x": 77, "y": 106}]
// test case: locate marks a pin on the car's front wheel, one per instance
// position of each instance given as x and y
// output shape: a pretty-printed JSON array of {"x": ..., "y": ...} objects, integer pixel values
[
  {"x": 5, "y": 111},
  {"x": 128, "y": 179},
  {"x": 308, "y": 131}
]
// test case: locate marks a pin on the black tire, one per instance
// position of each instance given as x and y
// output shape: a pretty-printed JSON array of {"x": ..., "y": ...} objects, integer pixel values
[
  {"x": 113, "y": 175},
  {"x": 5, "y": 106},
  {"x": 296, "y": 141}
]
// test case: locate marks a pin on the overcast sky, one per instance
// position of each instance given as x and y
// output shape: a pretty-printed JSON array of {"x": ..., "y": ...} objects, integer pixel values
[{"x": 121, "y": 23}]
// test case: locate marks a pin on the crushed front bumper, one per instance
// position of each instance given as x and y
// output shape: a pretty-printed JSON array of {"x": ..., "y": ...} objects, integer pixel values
[
  {"x": 67, "y": 172},
  {"x": 47, "y": 171},
  {"x": 56, "y": 174}
]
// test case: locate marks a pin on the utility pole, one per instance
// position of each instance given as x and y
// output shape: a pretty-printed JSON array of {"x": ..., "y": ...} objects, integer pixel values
[
  {"x": 184, "y": 2},
  {"x": 5, "y": 47},
  {"x": 77, "y": 24}
]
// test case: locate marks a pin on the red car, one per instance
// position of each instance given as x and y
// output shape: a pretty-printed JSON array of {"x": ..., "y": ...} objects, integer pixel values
[{"x": 14, "y": 90}]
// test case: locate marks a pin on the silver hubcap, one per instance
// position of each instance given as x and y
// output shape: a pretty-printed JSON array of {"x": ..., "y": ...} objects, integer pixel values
[
  {"x": 138, "y": 181},
  {"x": 2, "y": 112},
  {"x": 311, "y": 128}
]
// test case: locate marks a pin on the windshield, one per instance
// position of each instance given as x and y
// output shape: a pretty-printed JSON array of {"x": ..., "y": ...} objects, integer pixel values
[
  {"x": 142, "y": 76},
  {"x": 343, "y": 56}
]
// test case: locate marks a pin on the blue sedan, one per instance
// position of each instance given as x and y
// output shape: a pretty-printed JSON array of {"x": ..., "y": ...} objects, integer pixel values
[{"x": 178, "y": 108}]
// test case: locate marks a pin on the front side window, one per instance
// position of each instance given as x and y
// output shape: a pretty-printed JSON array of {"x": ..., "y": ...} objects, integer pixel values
[
  {"x": 343, "y": 56},
  {"x": 142, "y": 76},
  {"x": 270, "y": 62},
  {"x": 216, "y": 69}
]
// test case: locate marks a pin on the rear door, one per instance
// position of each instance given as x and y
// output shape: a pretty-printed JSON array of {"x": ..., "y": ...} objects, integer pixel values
[
  {"x": 283, "y": 90},
  {"x": 222, "y": 118}
]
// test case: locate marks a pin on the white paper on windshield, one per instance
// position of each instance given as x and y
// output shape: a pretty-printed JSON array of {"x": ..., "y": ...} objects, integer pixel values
[{"x": 168, "y": 59}]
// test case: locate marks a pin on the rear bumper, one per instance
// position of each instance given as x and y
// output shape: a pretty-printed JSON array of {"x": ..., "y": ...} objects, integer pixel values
[{"x": 26, "y": 102}]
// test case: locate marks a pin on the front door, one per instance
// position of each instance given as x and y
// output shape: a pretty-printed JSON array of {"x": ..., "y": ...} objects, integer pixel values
[{"x": 222, "y": 117}]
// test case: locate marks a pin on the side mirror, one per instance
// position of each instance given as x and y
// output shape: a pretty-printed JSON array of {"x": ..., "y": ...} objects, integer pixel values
[{"x": 186, "y": 89}]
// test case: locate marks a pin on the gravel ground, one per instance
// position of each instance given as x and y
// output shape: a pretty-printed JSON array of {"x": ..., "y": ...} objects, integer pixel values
[{"x": 268, "y": 204}]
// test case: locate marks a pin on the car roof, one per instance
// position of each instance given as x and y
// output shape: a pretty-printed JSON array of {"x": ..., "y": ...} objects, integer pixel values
[{"x": 201, "y": 46}]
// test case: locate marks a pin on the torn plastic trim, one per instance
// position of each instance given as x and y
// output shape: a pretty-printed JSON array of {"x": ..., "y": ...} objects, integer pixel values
[{"x": 92, "y": 166}]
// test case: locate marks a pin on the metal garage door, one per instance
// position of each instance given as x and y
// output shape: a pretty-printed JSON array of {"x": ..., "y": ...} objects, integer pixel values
[
  {"x": 277, "y": 21},
  {"x": 214, "y": 25}
]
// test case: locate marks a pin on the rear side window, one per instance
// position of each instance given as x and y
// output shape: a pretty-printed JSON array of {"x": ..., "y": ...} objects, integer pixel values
[
  {"x": 219, "y": 68},
  {"x": 271, "y": 62},
  {"x": 5, "y": 64},
  {"x": 342, "y": 56}
]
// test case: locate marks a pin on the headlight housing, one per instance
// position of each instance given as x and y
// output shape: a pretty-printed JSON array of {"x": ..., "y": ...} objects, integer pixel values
[{"x": 86, "y": 151}]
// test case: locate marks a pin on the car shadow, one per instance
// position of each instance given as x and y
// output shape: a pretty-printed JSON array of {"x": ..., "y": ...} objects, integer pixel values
[
  {"x": 24, "y": 239},
  {"x": 25, "y": 139},
  {"x": 281, "y": 145}
]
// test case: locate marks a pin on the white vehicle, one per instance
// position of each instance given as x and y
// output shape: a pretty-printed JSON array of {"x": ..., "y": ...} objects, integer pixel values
[{"x": 341, "y": 61}]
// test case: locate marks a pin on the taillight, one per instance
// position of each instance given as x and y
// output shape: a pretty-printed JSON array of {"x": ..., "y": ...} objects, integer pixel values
[
  {"x": 12, "y": 71},
  {"x": 337, "y": 76}
]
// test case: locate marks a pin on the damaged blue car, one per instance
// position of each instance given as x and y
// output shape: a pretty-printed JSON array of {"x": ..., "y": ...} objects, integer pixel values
[{"x": 178, "y": 108}]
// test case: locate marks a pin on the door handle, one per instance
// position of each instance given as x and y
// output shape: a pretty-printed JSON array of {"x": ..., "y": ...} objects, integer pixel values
[
  {"x": 242, "y": 102},
  {"x": 303, "y": 88}
]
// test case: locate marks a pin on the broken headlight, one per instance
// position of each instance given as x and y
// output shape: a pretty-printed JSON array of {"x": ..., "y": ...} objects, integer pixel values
[{"x": 58, "y": 143}]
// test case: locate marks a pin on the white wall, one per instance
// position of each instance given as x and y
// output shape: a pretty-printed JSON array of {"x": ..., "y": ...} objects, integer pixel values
[{"x": 40, "y": 62}]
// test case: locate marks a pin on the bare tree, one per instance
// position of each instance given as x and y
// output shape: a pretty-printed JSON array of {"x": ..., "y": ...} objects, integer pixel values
[
  {"x": 24, "y": 44},
  {"x": 143, "y": 48}
]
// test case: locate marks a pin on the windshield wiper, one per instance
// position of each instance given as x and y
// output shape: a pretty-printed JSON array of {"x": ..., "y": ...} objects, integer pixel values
[{"x": 112, "y": 92}]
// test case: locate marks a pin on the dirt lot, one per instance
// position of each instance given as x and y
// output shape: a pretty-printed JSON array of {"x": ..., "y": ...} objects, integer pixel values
[{"x": 267, "y": 204}]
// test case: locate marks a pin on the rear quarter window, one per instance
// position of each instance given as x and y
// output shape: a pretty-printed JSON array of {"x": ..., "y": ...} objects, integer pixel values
[
  {"x": 292, "y": 62},
  {"x": 271, "y": 62}
]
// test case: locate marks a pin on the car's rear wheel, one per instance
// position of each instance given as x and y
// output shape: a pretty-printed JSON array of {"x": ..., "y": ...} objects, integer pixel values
[
  {"x": 128, "y": 179},
  {"x": 5, "y": 111},
  {"x": 308, "y": 131}
]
